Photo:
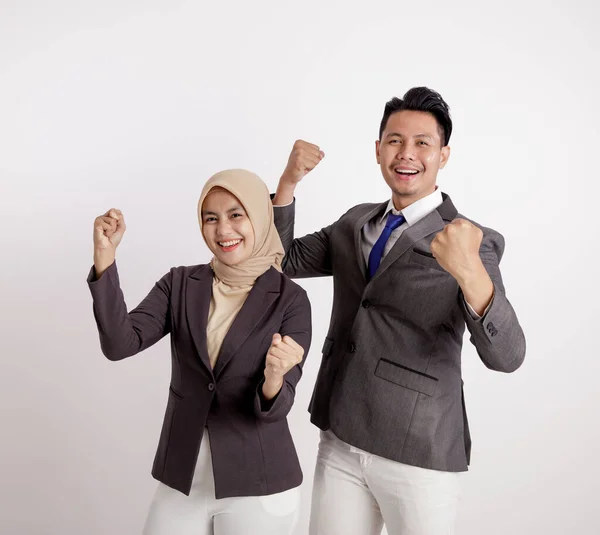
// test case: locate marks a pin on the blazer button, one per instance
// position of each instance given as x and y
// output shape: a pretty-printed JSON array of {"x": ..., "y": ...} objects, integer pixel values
[
  {"x": 366, "y": 303},
  {"x": 211, "y": 386}
]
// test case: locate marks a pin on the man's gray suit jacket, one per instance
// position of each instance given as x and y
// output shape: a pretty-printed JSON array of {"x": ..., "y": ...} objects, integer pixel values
[{"x": 390, "y": 377}]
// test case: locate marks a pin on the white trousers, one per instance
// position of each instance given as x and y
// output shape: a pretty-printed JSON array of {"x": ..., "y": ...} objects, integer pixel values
[
  {"x": 174, "y": 513},
  {"x": 356, "y": 492}
]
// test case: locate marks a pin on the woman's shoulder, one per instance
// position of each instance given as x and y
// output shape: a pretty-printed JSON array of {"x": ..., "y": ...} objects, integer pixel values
[{"x": 197, "y": 271}]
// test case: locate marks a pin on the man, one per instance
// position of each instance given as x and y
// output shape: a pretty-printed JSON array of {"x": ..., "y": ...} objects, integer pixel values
[{"x": 409, "y": 274}]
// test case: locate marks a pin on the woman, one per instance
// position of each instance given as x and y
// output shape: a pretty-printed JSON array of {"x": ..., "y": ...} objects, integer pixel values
[{"x": 226, "y": 463}]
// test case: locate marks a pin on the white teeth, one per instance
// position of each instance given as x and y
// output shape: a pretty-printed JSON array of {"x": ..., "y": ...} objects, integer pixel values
[
  {"x": 406, "y": 171},
  {"x": 228, "y": 243}
]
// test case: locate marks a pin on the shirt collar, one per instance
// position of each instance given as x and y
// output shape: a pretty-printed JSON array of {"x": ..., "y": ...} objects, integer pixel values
[{"x": 417, "y": 210}]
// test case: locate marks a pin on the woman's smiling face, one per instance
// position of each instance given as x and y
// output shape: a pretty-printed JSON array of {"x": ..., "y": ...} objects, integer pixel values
[{"x": 226, "y": 227}]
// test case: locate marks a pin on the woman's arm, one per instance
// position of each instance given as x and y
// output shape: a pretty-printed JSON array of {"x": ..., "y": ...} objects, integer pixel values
[
  {"x": 123, "y": 334},
  {"x": 275, "y": 394}
]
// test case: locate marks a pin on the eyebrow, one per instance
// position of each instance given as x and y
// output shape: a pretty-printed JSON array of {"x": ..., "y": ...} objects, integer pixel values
[
  {"x": 395, "y": 134},
  {"x": 234, "y": 209}
]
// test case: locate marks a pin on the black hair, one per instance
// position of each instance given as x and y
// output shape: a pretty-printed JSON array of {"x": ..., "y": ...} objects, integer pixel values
[{"x": 425, "y": 100}]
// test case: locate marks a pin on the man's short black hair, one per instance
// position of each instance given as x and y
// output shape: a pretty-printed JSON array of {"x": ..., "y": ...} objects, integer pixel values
[{"x": 421, "y": 99}]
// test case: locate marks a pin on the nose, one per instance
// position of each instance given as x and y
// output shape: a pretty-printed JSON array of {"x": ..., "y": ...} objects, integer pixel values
[
  {"x": 405, "y": 152},
  {"x": 223, "y": 227}
]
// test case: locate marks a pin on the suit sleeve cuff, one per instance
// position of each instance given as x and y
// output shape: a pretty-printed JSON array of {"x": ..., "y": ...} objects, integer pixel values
[
  {"x": 282, "y": 205},
  {"x": 474, "y": 314},
  {"x": 271, "y": 410},
  {"x": 110, "y": 276}
]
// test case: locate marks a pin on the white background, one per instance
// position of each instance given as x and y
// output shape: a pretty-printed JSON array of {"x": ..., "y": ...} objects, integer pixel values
[{"x": 134, "y": 104}]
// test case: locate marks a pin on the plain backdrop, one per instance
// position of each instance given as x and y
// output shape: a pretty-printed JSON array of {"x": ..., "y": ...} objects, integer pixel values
[{"x": 134, "y": 104}]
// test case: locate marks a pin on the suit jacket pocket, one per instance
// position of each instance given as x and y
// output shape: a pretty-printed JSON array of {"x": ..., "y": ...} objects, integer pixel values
[
  {"x": 174, "y": 393},
  {"x": 327, "y": 346},
  {"x": 425, "y": 259},
  {"x": 160, "y": 458},
  {"x": 406, "y": 377}
]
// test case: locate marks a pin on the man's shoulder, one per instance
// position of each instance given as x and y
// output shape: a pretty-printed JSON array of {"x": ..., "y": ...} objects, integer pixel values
[
  {"x": 484, "y": 228},
  {"x": 491, "y": 237},
  {"x": 359, "y": 210}
]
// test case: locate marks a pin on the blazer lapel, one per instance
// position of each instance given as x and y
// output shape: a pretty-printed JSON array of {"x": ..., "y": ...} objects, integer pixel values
[
  {"x": 447, "y": 210},
  {"x": 362, "y": 221},
  {"x": 433, "y": 222},
  {"x": 264, "y": 293},
  {"x": 197, "y": 302}
]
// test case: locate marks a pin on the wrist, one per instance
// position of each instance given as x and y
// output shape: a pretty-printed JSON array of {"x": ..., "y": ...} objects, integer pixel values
[
  {"x": 271, "y": 387},
  {"x": 102, "y": 261},
  {"x": 285, "y": 192},
  {"x": 478, "y": 289},
  {"x": 473, "y": 272}
]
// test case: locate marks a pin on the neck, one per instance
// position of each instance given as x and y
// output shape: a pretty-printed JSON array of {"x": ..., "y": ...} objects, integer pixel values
[{"x": 402, "y": 201}]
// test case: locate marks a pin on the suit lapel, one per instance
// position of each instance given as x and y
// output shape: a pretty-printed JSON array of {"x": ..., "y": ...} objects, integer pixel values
[
  {"x": 362, "y": 221},
  {"x": 433, "y": 222},
  {"x": 263, "y": 294},
  {"x": 197, "y": 302},
  {"x": 447, "y": 210}
]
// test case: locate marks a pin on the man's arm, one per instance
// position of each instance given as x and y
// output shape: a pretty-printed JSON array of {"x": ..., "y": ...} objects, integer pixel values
[
  {"x": 303, "y": 159},
  {"x": 308, "y": 256},
  {"x": 473, "y": 260},
  {"x": 497, "y": 336}
]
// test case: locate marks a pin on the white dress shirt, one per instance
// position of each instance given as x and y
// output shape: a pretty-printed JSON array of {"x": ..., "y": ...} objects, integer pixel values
[{"x": 413, "y": 214}]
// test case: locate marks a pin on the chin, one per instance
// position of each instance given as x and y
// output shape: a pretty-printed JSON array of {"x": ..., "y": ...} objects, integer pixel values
[
  {"x": 228, "y": 262},
  {"x": 404, "y": 192}
]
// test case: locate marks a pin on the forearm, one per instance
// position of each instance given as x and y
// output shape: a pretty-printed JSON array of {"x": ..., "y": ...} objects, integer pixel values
[
  {"x": 284, "y": 194},
  {"x": 477, "y": 288},
  {"x": 275, "y": 393},
  {"x": 102, "y": 261},
  {"x": 271, "y": 387},
  {"x": 277, "y": 407},
  {"x": 118, "y": 336},
  {"x": 124, "y": 334},
  {"x": 498, "y": 337}
]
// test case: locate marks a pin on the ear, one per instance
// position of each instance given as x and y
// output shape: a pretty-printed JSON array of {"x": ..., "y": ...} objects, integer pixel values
[
  {"x": 377, "y": 145},
  {"x": 445, "y": 154},
  {"x": 200, "y": 216}
]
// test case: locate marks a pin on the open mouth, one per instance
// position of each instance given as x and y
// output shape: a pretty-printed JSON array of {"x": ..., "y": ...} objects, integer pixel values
[
  {"x": 405, "y": 173},
  {"x": 228, "y": 246}
]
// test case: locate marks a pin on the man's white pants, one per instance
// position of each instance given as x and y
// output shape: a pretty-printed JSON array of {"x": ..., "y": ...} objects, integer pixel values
[{"x": 356, "y": 493}]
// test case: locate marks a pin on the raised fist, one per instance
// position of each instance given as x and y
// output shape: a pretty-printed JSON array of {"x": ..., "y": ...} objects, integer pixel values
[
  {"x": 303, "y": 159},
  {"x": 108, "y": 230}
]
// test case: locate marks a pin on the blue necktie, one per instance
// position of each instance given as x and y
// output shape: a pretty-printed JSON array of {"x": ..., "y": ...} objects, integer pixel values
[{"x": 391, "y": 224}]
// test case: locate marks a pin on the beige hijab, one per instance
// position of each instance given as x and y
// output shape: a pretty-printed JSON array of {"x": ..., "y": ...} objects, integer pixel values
[{"x": 232, "y": 284}]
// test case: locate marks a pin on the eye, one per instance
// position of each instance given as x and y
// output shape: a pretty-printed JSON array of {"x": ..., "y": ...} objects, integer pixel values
[
  {"x": 394, "y": 141},
  {"x": 235, "y": 215},
  {"x": 424, "y": 143},
  {"x": 210, "y": 219}
]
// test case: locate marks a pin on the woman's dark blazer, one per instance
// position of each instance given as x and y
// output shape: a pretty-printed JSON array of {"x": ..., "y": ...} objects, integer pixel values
[{"x": 252, "y": 449}]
